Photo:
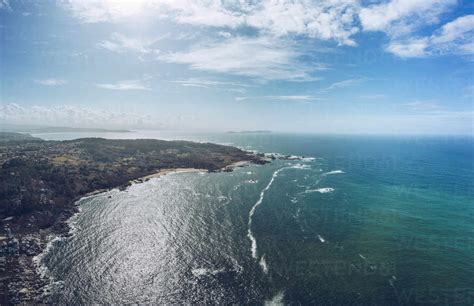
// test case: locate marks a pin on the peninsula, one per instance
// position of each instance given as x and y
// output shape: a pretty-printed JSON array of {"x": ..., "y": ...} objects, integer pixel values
[{"x": 40, "y": 181}]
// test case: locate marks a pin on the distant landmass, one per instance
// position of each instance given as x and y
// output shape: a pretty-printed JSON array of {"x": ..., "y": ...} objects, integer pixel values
[
  {"x": 16, "y": 137},
  {"x": 56, "y": 129},
  {"x": 249, "y": 132},
  {"x": 40, "y": 181}
]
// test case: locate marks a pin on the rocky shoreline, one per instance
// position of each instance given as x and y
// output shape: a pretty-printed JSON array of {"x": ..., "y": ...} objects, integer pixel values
[
  {"x": 27, "y": 285},
  {"x": 23, "y": 282},
  {"x": 42, "y": 181},
  {"x": 25, "y": 235}
]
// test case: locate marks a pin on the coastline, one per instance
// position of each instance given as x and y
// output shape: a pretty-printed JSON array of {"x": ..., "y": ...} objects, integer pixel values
[
  {"x": 35, "y": 287},
  {"x": 167, "y": 171},
  {"x": 49, "y": 237},
  {"x": 157, "y": 174},
  {"x": 56, "y": 175}
]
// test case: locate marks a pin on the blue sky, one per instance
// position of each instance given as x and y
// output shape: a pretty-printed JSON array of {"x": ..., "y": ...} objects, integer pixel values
[{"x": 334, "y": 66}]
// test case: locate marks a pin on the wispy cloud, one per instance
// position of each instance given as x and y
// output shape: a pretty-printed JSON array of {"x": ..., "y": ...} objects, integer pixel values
[
  {"x": 412, "y": 47},
  {"x": 326, "y": 20},
  {"x": 346, "y": 83},
  {"x": 454, "y": 37},
  {"x": 120, "y": 44},
  {"x": 401, "y": 21},
  {"x": 261, "y": 58},
  {"x": 401, "y": 17},
  {"x": 106, "y": 10},
  {"x": 194, "y": 82},
  {"x": 337, "y": 21},
  {"x": 373, "y": 96},
  {"x": 237, "y": 87},
  {"x": 275, "y": 55},
  {"x": 422, "y": 105},
  {"x": 5, "y": 5},
  {"x": 51, "y": 82},
  {"x": 125, "y": 85},
  {"x": 290, "y": 98}
]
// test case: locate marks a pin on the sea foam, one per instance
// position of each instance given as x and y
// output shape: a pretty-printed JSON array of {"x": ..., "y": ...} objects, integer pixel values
[
  {"x": 263, "y": 264},
  {"x": 320, "y": 190},
  {"x": 252, "y": 212},
  {"x": 259, "y": 201},
  {"x": 334, "y": 172},
  {"x": 276, "y": 300}
]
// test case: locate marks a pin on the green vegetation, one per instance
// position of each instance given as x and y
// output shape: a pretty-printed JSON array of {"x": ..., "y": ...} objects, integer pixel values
[
  {"x": 16, "y": 137},
  {"x": 41, "y": 180},
  {"x": 40, "y": 177}
]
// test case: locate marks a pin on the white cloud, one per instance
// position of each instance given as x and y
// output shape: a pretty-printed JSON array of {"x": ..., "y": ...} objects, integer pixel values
[
  {"x": 120, "y": 43},
  {"x": 454, "y": 30},
  {"x": 345, "y": 83},
  {"x": 68, "y": 115},
  {"x": 294, "y": 98},
  {"x": 202, "y": 12},
  {"x": 400, "y": 17},
  {"x": 284, "y": 20},
  {"x": 454, "y": 37},
  {"x": 224, "y": 34},
  {"x": 194, "y": 82},
  {"x": 92, "y": 11},
  {"x": 409, "y": 48},
  {"x": 51, "y": 82},
  {"x": 326, "y": 20},
  {"x": 401, "y": 20},
  {"x": 125, "y": 85},
  {"x": 422, "y": 105},
  {"x": 220, "y": 85},
  {"x": 5, "y": 5},
  {"x": 262, "y": 58},
  {"x": 274, "y": 51}
]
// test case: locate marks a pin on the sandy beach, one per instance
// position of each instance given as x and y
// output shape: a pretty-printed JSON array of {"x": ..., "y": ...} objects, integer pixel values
[{"x": 167, "y": 171}]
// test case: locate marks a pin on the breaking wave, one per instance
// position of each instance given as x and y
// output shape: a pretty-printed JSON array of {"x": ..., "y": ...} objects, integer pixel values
[
  {"x": 252, "y": 238},
  {"x": 320, "y": 190},
  {"x": 334, "y": 172}
]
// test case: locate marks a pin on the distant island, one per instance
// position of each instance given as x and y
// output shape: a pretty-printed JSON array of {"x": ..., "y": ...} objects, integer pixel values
[
  {"x": 40, "y": 181},
  {"x": 249, "y": 132}
]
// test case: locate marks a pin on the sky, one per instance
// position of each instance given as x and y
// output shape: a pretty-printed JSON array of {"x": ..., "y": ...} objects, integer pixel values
[{"x": 333, "y": 66}]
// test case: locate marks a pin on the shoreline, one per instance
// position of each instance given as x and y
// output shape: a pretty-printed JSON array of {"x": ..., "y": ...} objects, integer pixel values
[
  {"x": 80, "y": 171},
  {"x": 36, "y": 288},
  {"x": 167, "y": 171},
  {"x": 49, "y": 237},
  {"x": 157, "y": 174}
]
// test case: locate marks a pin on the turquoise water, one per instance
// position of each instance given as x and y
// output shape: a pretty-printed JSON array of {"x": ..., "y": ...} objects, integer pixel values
[{"x": 369, "y": 220}]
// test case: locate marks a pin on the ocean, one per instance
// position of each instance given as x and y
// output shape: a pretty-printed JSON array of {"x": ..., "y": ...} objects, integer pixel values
[{"x": 360, "y": 220}]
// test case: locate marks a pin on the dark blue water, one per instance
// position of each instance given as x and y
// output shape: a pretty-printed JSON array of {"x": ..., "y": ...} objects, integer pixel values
[{"x": 370, "y": 220}]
